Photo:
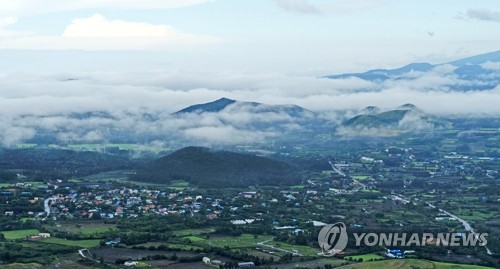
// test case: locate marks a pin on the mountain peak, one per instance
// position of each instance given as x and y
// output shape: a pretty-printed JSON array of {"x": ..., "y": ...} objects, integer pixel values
[
  {"x": 408, "y": 106},
  {"x": 214, "y": 106}
]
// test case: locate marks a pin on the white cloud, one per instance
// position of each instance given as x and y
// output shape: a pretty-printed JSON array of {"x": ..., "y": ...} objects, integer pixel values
[
  {"x": 4, "y": 23},
  {"x": 7, "y": 21},
  {"x": 299, "y": 6},
  {"x": 491, "y": 65},
  {"x": 97, "y": 26},
  {"x": 338, "y": 7},
  {"x": 99, "y": 33},
  {"x": 354, "y": 5},
  {"x": 483, "y": 15},
  {"x": 32, "y": 7}
]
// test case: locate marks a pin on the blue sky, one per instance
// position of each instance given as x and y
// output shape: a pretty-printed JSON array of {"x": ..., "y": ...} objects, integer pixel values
[{"x": 303, "y": 36}]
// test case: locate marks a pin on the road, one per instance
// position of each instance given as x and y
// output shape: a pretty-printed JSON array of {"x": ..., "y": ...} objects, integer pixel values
[
  {"x": 46, "y": 207},
  {"x": 467, "y": 227},
  {"x": 464, "y": 223},
  {"x": 338, "y": 171}
]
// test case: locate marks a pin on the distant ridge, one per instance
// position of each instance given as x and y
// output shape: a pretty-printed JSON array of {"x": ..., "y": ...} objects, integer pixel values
[{"x": 469, "y": 69}]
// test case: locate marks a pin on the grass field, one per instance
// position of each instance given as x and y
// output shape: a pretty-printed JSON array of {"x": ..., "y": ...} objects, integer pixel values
[
  {"x": 319, "y": 263},
  {"x": 19, "y": 234},
  {"x": 364, "y": 257},
  {"x": 244, "y": 240},
  {"x": 178, "y": 185},
  {"x": 410, "y": 264},
  {"x": 73, "y": 243},
  {"x": 195, "y": 239},
  {"x": 31, "y": 265},
  {"x": 304, "y": 250},
  {"x": 361, "y": 178},
  {"x": 194, "y": 231}
]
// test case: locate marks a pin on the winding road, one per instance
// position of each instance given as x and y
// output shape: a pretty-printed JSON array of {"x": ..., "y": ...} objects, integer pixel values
[
  {"x": 466, "y": 224},
  {"x": 46, "y": 207}
]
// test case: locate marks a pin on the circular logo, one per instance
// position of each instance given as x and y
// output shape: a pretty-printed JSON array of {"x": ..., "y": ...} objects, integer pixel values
[{"x": 332, "y": 238}]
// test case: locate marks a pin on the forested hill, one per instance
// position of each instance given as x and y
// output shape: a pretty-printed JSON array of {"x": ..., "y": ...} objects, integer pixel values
[
  {"x": 207, "y": 168},
  {"x": 60, "y": 163}
]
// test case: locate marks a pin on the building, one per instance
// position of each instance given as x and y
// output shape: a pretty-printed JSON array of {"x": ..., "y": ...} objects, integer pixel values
[
  {"x": 248, "y": 194},
  {"x": 44, "y": 235},
  {"x": 246, "y": 265}
]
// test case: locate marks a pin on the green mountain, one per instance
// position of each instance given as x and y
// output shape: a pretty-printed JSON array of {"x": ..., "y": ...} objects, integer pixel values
[
  {"x": 404, "y": 119},
  {"x": 209, "y": 168},
  {"x": 388, "y": 118}
]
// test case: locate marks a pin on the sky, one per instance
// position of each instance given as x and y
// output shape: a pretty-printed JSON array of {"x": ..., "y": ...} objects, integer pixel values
[
  {"x": 127, "y": 57},
  {"x": 298, "y": 36}
]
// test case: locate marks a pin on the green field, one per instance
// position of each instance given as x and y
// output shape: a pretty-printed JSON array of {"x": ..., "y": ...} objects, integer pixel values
[
  {"x": 410, "y": 264},
  {"x": 242, "y": 241},
  {"x": 73, "y": 243},
  {"x": 19, "y": 234},
  {"x": 31, "y": 265},
  {"x": 364, "y": 257},
  {"x": 178, "y": 185},
  {"x": 194, "y": 231},
  {"x": 361, "y": 178},
  {"x": 195, "y": 239},
  {"x": 304, "y": 250}
]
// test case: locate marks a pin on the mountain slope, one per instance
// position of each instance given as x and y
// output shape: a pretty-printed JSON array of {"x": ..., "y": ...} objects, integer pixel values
[
  {"x": 215, "y": 106},
  {"x": 383, "y": 119},
  {"x": 207, "y": 168}
]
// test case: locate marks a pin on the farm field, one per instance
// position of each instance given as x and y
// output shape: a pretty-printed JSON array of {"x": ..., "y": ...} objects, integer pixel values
[
  {"x": 73, "y": 243},
  {"x": 19, "y": 234},
  {"x": 364, "y": 257},
  {"x": 310, "y": 264},
  {"x": 410, "y": 264},
  {"x": 113, "y": 254}
]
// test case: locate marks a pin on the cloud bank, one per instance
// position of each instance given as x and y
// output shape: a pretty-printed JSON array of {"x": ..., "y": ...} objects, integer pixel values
[{"x": 99, "y": 106}]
